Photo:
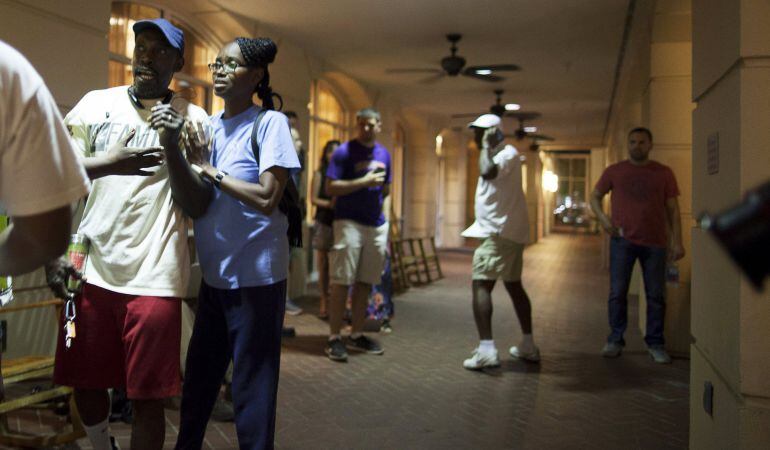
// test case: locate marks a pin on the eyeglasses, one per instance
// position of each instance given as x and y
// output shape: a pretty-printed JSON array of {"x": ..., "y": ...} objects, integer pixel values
[{"x": 228, "y": 67}]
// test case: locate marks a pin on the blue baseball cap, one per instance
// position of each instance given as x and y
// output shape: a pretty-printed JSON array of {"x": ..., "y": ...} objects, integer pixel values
[{"x": 174, "y": 35}]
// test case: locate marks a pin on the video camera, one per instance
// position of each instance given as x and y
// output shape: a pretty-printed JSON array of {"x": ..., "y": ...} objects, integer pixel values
[{"x": 744, "y": 231}]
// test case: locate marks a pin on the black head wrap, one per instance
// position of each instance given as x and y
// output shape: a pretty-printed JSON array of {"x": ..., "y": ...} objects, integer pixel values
[{"x": 260, "y": 52}]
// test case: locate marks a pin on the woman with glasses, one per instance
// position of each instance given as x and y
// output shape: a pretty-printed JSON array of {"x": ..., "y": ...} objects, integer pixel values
[
  {"x": 243, "y": 251},
  {"x": 322, "y": 228}
]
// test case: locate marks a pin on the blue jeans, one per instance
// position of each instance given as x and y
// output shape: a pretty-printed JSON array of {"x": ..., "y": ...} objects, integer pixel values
[
  {"x": 623, "y": 255},
  {"x": 242, "y": 325}
]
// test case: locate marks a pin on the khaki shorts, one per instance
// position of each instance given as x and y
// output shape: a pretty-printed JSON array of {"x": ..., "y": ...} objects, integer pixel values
[
  {"x": 323, "y": 237},
  {"x": 498, "y": 258},
  {"x": 358, "y": 253}
]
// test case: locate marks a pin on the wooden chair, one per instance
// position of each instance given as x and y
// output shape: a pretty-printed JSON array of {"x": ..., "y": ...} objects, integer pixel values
[
  {"x": 404, "y": 258},
  {"x": 396, "y": 269},
  {"x": 411, "y": 261},
  {"x": 429, "y": 258},
  {"x": 30, "y": 367}
]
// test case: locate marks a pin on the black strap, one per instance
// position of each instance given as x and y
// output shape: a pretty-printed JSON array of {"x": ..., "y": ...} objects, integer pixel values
[
  {"x": 138, "y": 104},
  {"x": 289, "y": 203}
]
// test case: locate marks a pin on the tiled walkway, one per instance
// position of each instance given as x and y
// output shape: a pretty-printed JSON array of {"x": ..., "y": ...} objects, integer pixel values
[{"x": 418, "y": 396}]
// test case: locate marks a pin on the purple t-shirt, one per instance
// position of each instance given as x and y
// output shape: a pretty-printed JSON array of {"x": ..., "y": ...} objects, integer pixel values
[{"x": 352, "y": 160}]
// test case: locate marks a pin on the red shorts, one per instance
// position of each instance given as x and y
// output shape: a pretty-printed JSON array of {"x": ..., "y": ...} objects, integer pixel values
[{"x": 122, "y": 341}]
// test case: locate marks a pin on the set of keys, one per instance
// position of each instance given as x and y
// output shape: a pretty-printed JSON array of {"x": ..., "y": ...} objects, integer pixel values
[{"x": 69, "y": 324}]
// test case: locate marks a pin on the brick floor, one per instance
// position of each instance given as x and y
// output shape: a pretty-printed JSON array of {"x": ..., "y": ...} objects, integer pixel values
[{"x": 417, "y": 395}]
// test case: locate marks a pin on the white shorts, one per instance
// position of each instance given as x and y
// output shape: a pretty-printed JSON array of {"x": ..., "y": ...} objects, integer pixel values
[{"x": 358, "y": 254}]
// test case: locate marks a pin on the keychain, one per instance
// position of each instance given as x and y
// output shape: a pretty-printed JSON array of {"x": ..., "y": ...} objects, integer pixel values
[{"x": 69, "y": 324}]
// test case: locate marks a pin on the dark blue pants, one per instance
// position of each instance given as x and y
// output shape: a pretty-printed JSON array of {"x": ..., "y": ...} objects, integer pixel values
[
  {"x": 623, "y": 255},
  {"x": 243, "y": 325}
]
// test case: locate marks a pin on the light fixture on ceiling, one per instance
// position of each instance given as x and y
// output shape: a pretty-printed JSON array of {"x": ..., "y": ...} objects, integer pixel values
[
  {"x": 483, "y": 72},
  {"x": 512, "y": 107},
  {"x": 530, "y": 129}
]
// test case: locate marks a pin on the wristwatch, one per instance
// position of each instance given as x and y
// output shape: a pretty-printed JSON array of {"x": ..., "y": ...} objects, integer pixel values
[{"x": 218, "y": 178}]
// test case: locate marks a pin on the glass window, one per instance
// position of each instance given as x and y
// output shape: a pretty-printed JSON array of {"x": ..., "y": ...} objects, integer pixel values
[
  {"x": 193, "y": 82},
  {"x": 578, "y": 168},
  {"x": 562, "y": 167},
  {"x": 122, "y": 19},
  {"x": 328, "y": 121},
  {"x": 571, "y": 206}
]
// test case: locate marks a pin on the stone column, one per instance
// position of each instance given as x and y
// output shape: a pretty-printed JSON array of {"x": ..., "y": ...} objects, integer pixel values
[
  {"x": 456, "y": 158},
  {"x": 731, "y": 335},
  {"x": 667, "y": 109}
]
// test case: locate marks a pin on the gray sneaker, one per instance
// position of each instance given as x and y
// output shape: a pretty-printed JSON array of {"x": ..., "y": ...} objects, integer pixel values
[
  {"x": 520, "y": 352},
  {"x": 292, "y": 309},
  {"x": 612, "y": 350},
  {"x": 223, "y": 411},
  {"x": 659, "y": 355},
  {"x": 365, "y": 344},
  {"x": 335, "y": 350}
]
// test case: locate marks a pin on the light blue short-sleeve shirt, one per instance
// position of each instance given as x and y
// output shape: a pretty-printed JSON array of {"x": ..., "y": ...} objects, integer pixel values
[{"x": 239, "y": 246}]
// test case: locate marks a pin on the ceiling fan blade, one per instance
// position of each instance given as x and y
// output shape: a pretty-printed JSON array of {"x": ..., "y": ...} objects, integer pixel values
[
  {"x": 541, "y": 137},
  {"x": 494, "y": 68},
  {"x": 523, "y": 115},
  {"x": 517, "y": 137},
  {"x": 433, "y": 78},
  {"x": 490, "y": 78},
  {"x": 413, "y": 70},
  {"x": 466, "y": 115}
]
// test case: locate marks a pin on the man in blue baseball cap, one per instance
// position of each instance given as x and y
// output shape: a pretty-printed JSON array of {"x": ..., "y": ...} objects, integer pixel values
[
  {"x": 129, "y": 309},
  {"x": 154, "y": 65}
]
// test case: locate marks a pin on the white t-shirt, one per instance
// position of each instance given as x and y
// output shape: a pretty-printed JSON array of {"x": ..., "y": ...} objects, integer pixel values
[
  {"x": 501, "y": 208},
  {"x": 39, "y": 169},
  {"x": 138, "y": 234}
]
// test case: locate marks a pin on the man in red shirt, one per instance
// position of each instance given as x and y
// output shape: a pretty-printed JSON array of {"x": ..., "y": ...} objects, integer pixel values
[{"x": 645, "y": 225}]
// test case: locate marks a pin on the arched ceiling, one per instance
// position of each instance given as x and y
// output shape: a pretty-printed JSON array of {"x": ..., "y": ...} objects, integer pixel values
[{"x": 567, "y": 50}]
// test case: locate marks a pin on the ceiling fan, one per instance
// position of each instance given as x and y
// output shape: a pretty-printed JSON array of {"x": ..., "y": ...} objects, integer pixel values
[
  {"x": 454, "y": 65},
  {"x": 521, "y": 132},
  {"x": 498, "y": 108}
]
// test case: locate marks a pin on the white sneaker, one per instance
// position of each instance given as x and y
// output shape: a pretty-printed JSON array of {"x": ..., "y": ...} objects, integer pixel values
[
  {"x": 479, "y": 360},
  {"x": 527, "y": 354},
  {"x": 659, "y": 355}
]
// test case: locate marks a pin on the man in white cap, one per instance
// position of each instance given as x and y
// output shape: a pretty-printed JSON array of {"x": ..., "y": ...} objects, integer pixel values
[{"x": 503, "y": 227}]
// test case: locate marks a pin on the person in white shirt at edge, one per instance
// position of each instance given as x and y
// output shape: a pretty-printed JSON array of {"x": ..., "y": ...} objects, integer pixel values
[
  {"x": 129, "y": 310},
  {"x": 40, "y": 175},
  {"x": 502, "y": 225}
]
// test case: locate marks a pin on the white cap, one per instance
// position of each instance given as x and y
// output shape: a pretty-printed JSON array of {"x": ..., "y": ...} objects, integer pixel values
[{"x": 486, "y": 121}]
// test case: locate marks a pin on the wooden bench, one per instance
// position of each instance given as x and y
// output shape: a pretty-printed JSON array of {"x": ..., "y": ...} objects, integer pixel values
[{"x": 31, "y": 367}]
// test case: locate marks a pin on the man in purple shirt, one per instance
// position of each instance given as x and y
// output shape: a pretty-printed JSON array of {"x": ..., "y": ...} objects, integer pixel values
[{"x": 359, "y": 176}]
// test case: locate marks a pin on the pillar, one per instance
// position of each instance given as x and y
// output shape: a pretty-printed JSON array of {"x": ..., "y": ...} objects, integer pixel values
[
  {"x": 667, "y": 111},
  {"x": 731, "y": 337}
]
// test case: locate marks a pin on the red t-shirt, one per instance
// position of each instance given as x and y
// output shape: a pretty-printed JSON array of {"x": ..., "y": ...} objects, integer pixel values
[{"x": 639, "y": 195}]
